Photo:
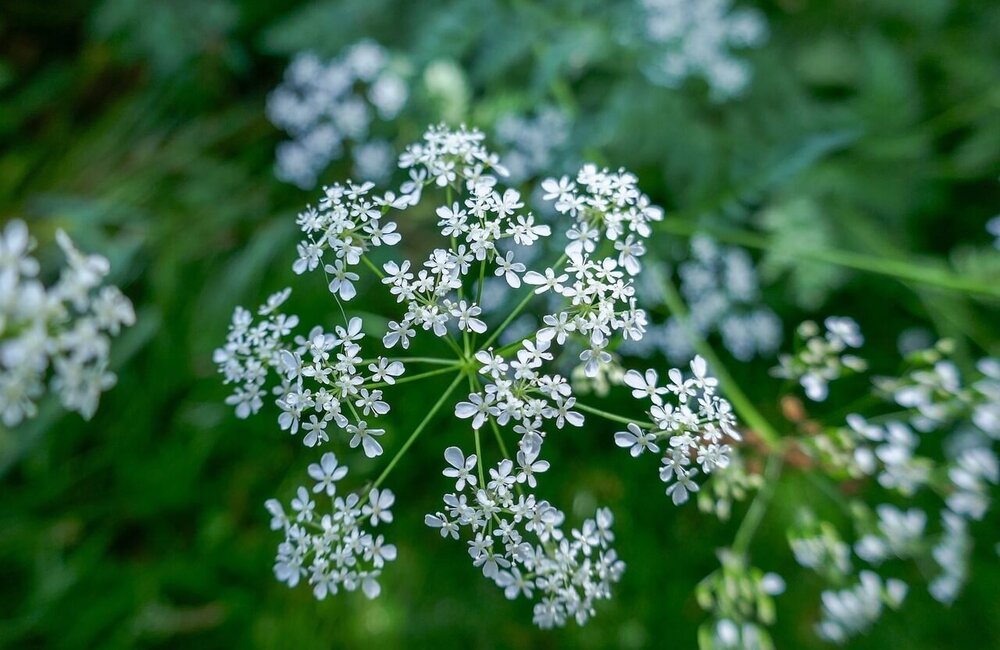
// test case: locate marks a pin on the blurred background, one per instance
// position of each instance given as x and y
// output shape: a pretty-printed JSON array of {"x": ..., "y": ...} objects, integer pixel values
[{"x": 141, "y": 127}]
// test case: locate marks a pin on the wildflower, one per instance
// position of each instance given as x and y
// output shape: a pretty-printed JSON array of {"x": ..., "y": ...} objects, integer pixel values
[
  {"x": 328, "y": 107},
  {"x": 852, "y": 611},
  {"x": 821, "y": 359},
  {"x": 693, "y": 38},
  {"x": 58, "y": 335},
  {"x": 700, "y": 433},
  {"x": 565, "y": 575},
  {"x": 332, "y": 551},
  {"x": 316, "y": 374}
]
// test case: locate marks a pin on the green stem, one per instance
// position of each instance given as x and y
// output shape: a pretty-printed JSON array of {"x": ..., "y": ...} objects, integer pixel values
[
  {"x": 431, "y": 360},
  {"x": 613, "y": 417},
  {"x": 423, "y": 375},
  {"x": 479, "y": 294},
  {"x": 517, "y": 310},
  {"x": 479, "y": 461},
  {"x": 376, "y": 270},
  {"x": 744, "y": 407},
  {"x": 454, "y": 346},
  {"x": 416, "y": 432},
  {"x": 894, "y": 268},
  {"x": 758, "y": 508},
  {"x": 510, "y": 317}
]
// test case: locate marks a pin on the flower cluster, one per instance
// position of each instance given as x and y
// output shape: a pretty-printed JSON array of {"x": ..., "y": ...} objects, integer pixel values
[
  {"x": 722, "y": 294},
  {"x": 517, "y": 392},
  {"x": 475, "y": 227},
  {"x": 727, "y": 487},
  {"x": 741, "y": 599},
  {"x": 337, "y": 550},
  {"x": 852, "y": 611},
  {"x": 933, "y": 388},
  {"x": 60, "y": 334},
  {"x": 694, "y": 430},
  {"x": 347, "y": 223},
  {"x": 531, "y": 143},
  {"x": 519, "y": 543},
  {"x": 607, "y": 207},
  {"x": 326, "y": 105},
  {"x": 591, "y": 298},
  {"x": 821, "y": 359},
  {"x": 320, "y": 375},
  {"x": 694, "y": 37},
  {"x": 818, "y": 546},
  {"x": 934, "y": 399}
]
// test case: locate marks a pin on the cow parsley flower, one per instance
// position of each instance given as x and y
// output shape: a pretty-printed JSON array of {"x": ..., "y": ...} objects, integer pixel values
[
  {"x": 694, "y": 38},
  {"x": 588, "y": 302},
  {"x": 952, "y": 555},
  {"x": 532, "y": 143},
  {"x": 818, "y": 546},
  {"x": 694, "y": 428},
  {"x": 517, "y": 392},
  {"x": 741, "y": 600},
  {"x": 518, "y": 542},
  {"x": 852, "y": 611},
  {"x": 722, "y": 294},
  {"x": 336, "y": 550},
  {"x": 328, "y": 107},
  {"x": 821, "y": 359},
  {"x": 59, "y": 335},
  {"x": 321, "y": 377}
]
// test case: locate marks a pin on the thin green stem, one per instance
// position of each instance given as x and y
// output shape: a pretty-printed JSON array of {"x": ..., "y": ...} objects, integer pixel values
[
  {"x": 376, "y": 270},
  {"x": 479, "y": 459},
  {"x": 758, "y": 507},
  {"x": 613, "y": 417},
  {"x": 423, "y": 375},
  {"x": 895, "y": 268},
  {"x": 744, "y": 407},
  {"x": 517, "y": 310},
  {"x": 416, "y": 432},
  {"x": 479, "y": 294},
  {"x": 431, "y": 360},
  {"x": 454, "y": 346},
  {"x": 510, "y": 317}
]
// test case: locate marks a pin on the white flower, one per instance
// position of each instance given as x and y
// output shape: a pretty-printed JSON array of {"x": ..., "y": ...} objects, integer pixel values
[
  {"x": 519, "y": 544},
  {"x": 461, "y": 467},
  {"x": 328, "y": 107},
  {"x": 362, "y": 435},
  {"x": 477, "y": 408},
  {"x": 644, "y": 386},
  {"x": 340, "y": 553},
  {"x": 694, "y": 38},
  {"x": 636, "y": 440},
  {"x": 508, "y": 269},
  {"x": 377, "y": 508},
  {"x": 326, "y": 474},
  {"x": 58, "y": 338}
]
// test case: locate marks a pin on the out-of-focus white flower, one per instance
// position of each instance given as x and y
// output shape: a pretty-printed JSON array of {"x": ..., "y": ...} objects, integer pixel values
[
  {"x": 58, "y": 335},
  {"x": 328, "y": 107},
  {"x": 695, "y": 37}
]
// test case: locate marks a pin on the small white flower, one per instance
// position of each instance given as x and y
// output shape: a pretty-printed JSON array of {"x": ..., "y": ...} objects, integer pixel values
[
  {"x": 326, "y": 474},
  {"x": 636, "y": 440},
  {"x": 461, "y": 467},
  {"x": 362, "y": 435}
]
